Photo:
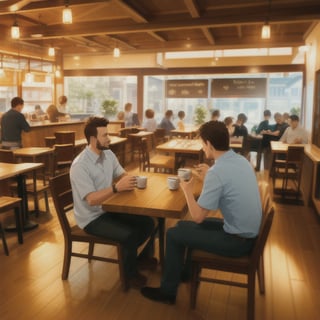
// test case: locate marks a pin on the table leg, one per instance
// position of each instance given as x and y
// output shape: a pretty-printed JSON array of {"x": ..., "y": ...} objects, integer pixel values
[
  {"x": 161, "y": 225},
  {"x": 22, "y": 193}
]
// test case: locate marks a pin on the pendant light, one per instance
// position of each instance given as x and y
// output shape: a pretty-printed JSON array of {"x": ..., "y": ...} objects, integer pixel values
[
  {"x": 67, "y": 14},
  {"x": 266, "y": 30},
  {"x": 51, "y": 52},
  {"x": 15, "y": 30},
  {"x": 116, "y": 52}
]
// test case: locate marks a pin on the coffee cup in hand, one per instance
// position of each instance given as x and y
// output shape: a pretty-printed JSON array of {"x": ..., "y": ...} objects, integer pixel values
[
  {"x": 184, "y": 174},
  {"x": 141, "y": 182}
]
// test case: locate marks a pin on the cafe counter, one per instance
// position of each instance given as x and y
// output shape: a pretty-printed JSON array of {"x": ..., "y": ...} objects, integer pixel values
[{"x": 41, "y": 129}]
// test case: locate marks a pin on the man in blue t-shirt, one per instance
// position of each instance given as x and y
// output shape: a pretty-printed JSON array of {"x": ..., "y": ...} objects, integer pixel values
[{"x": 229, "y": 185}]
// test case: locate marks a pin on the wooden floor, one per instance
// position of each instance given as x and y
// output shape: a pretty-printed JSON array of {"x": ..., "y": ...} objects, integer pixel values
[{"x": 31, "y": 285}]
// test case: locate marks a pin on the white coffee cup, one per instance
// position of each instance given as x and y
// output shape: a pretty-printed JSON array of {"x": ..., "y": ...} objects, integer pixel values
[
  {"x": 184, "y": 173},
  {"x": 141, "y": 182},
  {"x": 173, "y": 183}
]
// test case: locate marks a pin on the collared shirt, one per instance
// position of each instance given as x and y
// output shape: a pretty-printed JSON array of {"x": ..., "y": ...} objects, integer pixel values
[
  {"x": 167, "y": 125},
  {"x": 12, "y": 124},
  {"x": 231, "y": 186},
  {"x": 150, "y": 124},
  {"x": 290, "y": 135},
  {"x": 89, "y": 173}
]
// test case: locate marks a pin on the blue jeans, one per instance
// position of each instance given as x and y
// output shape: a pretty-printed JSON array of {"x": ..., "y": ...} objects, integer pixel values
[
  {"x": 187, "y": 235},
  {"x": 130, "y": 230}
]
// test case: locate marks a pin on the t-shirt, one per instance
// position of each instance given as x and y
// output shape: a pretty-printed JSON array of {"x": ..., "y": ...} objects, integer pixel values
[{"x": 12, "y": 124}]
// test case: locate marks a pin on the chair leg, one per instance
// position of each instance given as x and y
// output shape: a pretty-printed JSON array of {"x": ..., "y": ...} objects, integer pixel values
[
  {"x": 19, "y": 226},
  {"x": 260, "y": 272},
  {"x": 66, "y": 260},
  {"x": 194, "y": 284},
  {"x": 4, "y": 241},
  {"x": 251, "y": 296},
  {"x": 90, "y": 251},
  {"x": 123, "y": 278}
]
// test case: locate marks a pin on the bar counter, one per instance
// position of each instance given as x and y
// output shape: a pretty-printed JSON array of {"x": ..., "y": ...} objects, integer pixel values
[{"x": 41, "y": 129}]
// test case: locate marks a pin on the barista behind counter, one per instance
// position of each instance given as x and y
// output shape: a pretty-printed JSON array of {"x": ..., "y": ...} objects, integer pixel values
[{"x": 54, "y": 114}]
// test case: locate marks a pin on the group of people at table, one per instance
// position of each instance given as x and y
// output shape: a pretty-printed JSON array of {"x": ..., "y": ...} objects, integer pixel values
[{"x": 96, "y": 175}]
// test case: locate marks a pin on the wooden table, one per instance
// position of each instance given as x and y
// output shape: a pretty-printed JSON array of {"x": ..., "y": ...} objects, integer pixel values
[
  {"x": 9, "y": 170},
  {"x": 189, "y": 132},
  {"x": 182, "y": 146},
  {"x": 154, "y": 201}
]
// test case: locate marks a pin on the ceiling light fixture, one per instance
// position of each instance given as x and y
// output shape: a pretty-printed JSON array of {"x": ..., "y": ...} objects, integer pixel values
[
  {"x": 116, "y": 52},
  {"x": 51, "y": 52},
  {"x": 66, "y": 14},
  {"x": 266, "y": 30},
  {"x": 15, "y": 30}
]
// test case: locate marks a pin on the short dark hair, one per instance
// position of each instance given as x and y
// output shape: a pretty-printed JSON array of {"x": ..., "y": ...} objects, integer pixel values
[
  {"x": 181, "y": 114},
  {"x": 63, "y": 99},
  {"x": 169, "y": 113},
  {"x": 215, "y": 113},
  {"x": 216, "y": 133},
  {"x": 90, "y": 129},
  {"x": 294, "y": 117},
  {"x": 16, "y": 101},
  {"x": 149, "y": 113},
  {"x": 267, "y": 113},
  {"x": 242, "y": 117}
]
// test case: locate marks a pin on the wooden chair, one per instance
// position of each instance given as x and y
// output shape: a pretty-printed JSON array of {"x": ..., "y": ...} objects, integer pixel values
[
  {"x": 35, "y": 187},
  {"x": 62, "y": 158},
  {"x": 62, "y": 197},
  {"x": 49, "y": 141},
  {"x": 7, "y": 204},
  {"x": 157, "y": 162},
  {"x": 65, "y": 137},
  {"x": 289, "y": 169},
  {"x": 160, "y": 136},
  {"x": 249, "y": 265}
]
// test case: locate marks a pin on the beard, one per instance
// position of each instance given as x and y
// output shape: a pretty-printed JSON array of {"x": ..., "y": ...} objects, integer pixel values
[{"x": 101, "y": 147}]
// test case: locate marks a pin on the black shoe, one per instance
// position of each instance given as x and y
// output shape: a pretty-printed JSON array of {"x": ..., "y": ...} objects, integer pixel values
[
  {"x": 156, "y": 294},
  {"x": 137, "y": 281},
  {"x": 148, "y": 263}
]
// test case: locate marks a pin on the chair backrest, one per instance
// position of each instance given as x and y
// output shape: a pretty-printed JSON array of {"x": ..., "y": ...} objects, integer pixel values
[
  {"x": 64, "y": 152},
  {"x": 267, "y": 218},
  {"x": 6, "y": 156},
  {"x": 61, "y": 192},
  {"x": 144, "y": 157},
  {"x": 65, "y": 137},
  {"x": 295, "y": 154},
  {"x": 160, "y": 136}
]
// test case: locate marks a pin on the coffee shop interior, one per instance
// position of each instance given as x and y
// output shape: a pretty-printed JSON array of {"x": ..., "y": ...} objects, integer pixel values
[{"x": 196, "y": 56}]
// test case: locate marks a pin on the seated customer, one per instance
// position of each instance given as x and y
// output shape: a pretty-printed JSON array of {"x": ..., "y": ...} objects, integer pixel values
[
  {"x": 166, "y": 122},
  {"x": 54, "y": 114},
  {"x": 180, "y": 123},
  {"x": 240, "y": 130},
  {"x": 294, "y": 134},
  {"x": 96, "y": 175},
  {"x": 232, "y": 236},
  {"x": 149, "y": 122}
]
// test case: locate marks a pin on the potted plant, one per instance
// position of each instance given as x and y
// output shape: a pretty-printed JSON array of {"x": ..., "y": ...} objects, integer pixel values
[
  {"x": 200, "y": 115},
  {"x": 109, "y": 107}
]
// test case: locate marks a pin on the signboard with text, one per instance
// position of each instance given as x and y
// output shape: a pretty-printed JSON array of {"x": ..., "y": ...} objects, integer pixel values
[
  {"x": 239, "y": 88},
  {"x": 187, "y": 88}
]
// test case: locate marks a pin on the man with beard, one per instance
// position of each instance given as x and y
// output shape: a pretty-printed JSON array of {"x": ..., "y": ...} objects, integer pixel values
[{"x": 96, "y": 175}]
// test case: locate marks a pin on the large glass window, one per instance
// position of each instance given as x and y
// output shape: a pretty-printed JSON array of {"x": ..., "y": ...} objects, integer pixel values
[
  {"x": 86, "y": 94},
  {"x": 283, "y": 94}
]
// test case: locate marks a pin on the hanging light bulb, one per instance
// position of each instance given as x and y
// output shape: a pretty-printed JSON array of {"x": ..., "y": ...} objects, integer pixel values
[
  {"x": 51, "y": 52},
  {"x": 265, "y": 31},
  {"x": 15, "y": 30},
  {"x": 67, "y": 14},
  {"x": 116, "y": 52}
]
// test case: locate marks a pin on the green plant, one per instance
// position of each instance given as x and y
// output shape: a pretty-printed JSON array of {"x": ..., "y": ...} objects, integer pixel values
[
  {"x": 200, "y": 114},
  {"x": 109, "y": 107}
]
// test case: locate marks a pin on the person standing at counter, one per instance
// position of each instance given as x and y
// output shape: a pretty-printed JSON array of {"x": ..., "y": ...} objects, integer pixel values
[
  {"x": 54, "y": 114},
  {"x": 13, "y": 123}
]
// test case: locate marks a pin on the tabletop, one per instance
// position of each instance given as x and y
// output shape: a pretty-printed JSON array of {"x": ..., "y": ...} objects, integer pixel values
[
  {"x": 32, "y": 151},
  {"x": 9, "y": 170},
  {"x": 181, "y": 145},
  {"x": 156, "y": 200},
  {"x": 280, "y": 147}
]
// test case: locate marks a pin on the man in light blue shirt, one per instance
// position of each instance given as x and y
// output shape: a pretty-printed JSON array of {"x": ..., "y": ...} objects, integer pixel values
[
  {"x": 229, "y": 185},
  {"x": 96, "y": 175}
]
